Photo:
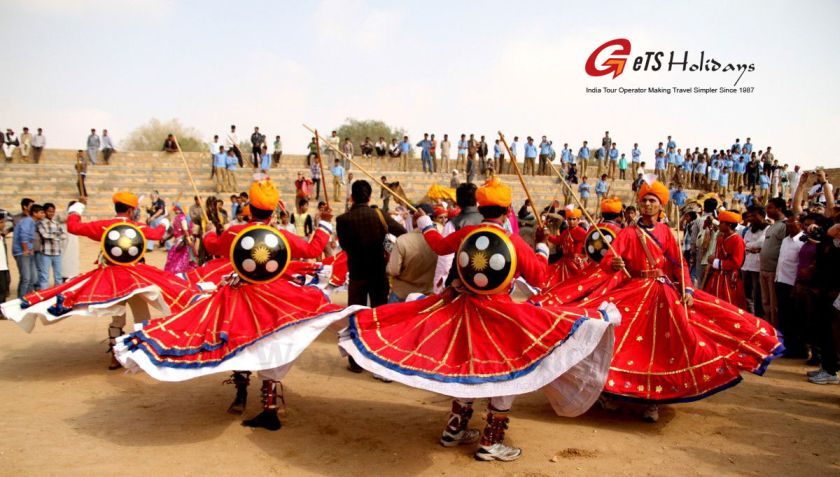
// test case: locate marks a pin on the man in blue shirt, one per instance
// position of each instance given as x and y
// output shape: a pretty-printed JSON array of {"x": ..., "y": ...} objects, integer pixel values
[
  {"x": 462, "y": 152},
  {"x": 723, "y": 180},
  {"x": 545, "y": 156},
  {"x": 566, "y": 157},
  {"x": 600, "y": 156},
  {"x": 678, "y": 198},
  {"x": 671, "y": 143},
  {"x": 220, "y": 168},
  {"x": 583, "y": 155},
  {"x": 23, "y": 249},
  {"x": 714, "y": 177},
  {"x": 660, "y": 165},
  {"x": 425, "y": 153},
  {"x": 530, "y": 156},
  {"x": 338, "y": 180},
  {"x": 747, "y": 149},
  {"x": 636, "y": 155},
  {"x": 601, "y": 187},
  {"x": 737, "y": 146},
  {"x": 613, "y": 154},
  {"x": 231, "y": 164},
  {"x": 583, "y": 191},
  {"x": 405, "y": 152},
  {"x": 498, "y": 157}
]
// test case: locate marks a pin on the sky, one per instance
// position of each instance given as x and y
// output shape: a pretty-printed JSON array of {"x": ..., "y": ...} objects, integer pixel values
[{"x": 427, "y": 66}]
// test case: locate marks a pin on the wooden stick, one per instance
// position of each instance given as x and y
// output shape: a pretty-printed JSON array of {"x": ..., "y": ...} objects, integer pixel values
[
  {"x": 682, "y": 265},
  {"x": 189, "y": 174},
  {"x": 365, "y": 172},
  {"x": 586, "y": 213},
  {"x": 522, "y": 181},
  {"x": 321, "y": 166}
]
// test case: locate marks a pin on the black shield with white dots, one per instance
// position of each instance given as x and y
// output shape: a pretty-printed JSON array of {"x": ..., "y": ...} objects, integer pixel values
[{"x": 259, "y": 254}]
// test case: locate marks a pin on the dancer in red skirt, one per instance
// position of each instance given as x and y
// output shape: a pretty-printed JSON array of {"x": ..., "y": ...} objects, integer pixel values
[
  {"x": 725, "y": 275},
  {"x": 670, "y": 347},
  {"x": 120, "y": 278},
  {"x": 473, "y": 341},
  {"x": 570, "y": 241},
  {"x": 254, "y": 320}
]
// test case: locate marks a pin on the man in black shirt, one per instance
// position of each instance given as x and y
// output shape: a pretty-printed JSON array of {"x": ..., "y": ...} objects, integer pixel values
[
  {"x": 257, "y": 141},
  {"x": 361, "y": 233}
]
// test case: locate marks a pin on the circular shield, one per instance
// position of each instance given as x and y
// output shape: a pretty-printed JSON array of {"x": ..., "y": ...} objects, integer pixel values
[
  {"x": 596, "y": 242},
  {"x": 486, "y": 261},
  {"x": 259, "y": 254},
  {"x": 122, "y": 243}
]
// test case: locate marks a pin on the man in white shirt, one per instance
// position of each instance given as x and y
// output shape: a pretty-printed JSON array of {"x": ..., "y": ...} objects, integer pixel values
[
  {"x": 232, "y": 143},
  {"x": 10, "y": 144},
  {"x": 25, "y": 143},
  {"x": 753, "y": 236},
  {"x": 107, "y": 146},
  {"x": 39, "y": 141},
  {"x": 445, "y": 150},
  {"x": 786, "y": 269},
  {"x": 216, "y": 147},
  {"x": 335, "y": 142}
]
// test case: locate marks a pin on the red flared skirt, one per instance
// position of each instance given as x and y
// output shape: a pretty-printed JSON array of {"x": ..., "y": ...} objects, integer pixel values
[
  {"x": 564, "y": 269},
  {"x": 217, "y": 327},
  {"x": 112, "y": 283},
  {"x": 722, "y": 285},
  {"x": 464, "y": 338},
  {"x": 663, "y": 354}
]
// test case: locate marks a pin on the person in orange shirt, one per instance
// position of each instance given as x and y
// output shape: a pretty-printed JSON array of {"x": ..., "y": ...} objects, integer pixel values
[{"x": 725, "y": 276}]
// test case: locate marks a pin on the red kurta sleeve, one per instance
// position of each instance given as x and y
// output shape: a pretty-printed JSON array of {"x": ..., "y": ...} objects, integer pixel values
[
  {"x": 445, "y": 245},
  {"x": 300, "y": 248},
  {"x": 156, "y": 233},
  {"x": 92, "y": 230},
  {"x": 531, "y": 265},
  {"x": 578, "y": 236}
]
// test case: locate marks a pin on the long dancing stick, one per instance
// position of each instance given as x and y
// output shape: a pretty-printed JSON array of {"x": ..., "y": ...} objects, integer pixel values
[
  {"x": 682, "y": 267},
  {"x": 189, "y": 174},
  {"x": 321, "y": 166},
  {"x": 521, "y": 181},
  {"x": 586, "y": 213},
  {"x": 365, "y": 172}
]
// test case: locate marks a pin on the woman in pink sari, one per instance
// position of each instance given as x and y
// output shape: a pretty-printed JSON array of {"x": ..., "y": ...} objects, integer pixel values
[{"x": 180, "y": 258}]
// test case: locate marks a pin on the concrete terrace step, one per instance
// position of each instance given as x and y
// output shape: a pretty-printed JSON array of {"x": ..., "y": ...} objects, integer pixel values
[{"x": 54, "y": 179}]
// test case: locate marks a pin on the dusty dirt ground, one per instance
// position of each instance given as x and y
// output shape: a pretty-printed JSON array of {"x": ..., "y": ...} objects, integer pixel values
[{"x": 66, "y": 414}]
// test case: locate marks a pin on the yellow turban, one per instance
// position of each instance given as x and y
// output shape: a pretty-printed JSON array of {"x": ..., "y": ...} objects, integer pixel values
[
  {"x": 126, "y": 198},
  {"x": 611, "y": 205},
  {"x": 656, "y": 188},
  {"x": 493, "y": 192},
  {"x": 573, "y": 213},
  {"x": 729, "y": 216},
  {"x": 263, "y": 195}
]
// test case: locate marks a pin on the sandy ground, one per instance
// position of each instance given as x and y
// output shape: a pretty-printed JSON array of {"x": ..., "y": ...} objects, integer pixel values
[{"x": 66, "y": 414}]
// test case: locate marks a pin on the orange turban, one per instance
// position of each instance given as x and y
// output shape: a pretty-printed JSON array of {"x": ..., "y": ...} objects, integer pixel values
[
  {"x": 493, "y": 192},
  {"x": 263, "y": 195},
  {"x": 657, "y": 188},
  {"x": 611, "y": 205},
  {"x": 573, "y": 213},
  {"x": 126, "y": 198},
  {"x": 729, "y": 216}
]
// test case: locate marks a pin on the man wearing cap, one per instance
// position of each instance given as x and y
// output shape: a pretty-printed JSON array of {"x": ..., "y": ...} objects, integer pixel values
[{"x": 724, "y": 280}]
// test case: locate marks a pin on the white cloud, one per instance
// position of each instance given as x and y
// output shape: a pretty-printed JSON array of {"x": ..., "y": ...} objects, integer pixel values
[{"x": 354, "y": 25}]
